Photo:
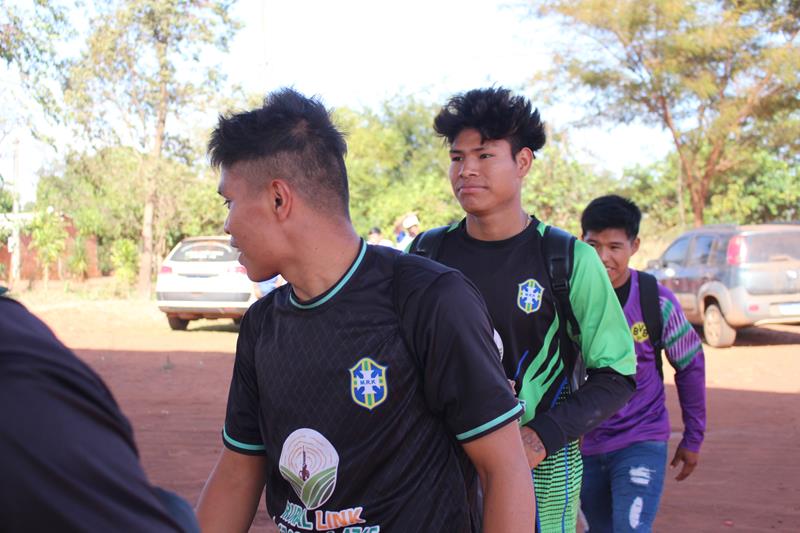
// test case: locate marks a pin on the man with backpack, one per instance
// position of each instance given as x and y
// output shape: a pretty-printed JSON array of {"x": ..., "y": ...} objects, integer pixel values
[
  {"x": 360, "y": 400},
  {"x": 625, "y": 457},
  {"x": 548, "y": 296}
]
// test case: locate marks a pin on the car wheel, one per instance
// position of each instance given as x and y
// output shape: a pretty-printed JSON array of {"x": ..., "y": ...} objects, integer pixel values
[
  {"x": 178, "y": 324},
  {"x": 717, "y": 331}
]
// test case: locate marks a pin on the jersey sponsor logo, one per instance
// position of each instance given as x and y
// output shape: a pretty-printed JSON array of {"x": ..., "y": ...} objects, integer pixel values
[
  {"x": 529, "y": 296},
  {"x": 368, "y": 385},
  {"x": 309, "y": 462},
  {"x": 297, "y": 516},
  {"x": 639, "y": 331}
]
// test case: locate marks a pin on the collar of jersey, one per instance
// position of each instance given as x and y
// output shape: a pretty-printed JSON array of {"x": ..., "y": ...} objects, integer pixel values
[
  {"x": 324, "y": 297},
  {"x": 534, "y": 226}
]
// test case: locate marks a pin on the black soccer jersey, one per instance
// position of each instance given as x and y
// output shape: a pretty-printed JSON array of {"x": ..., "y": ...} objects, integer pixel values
[
  {"x": 358, "y": 398},
  {"x": 512, "y": 276}
]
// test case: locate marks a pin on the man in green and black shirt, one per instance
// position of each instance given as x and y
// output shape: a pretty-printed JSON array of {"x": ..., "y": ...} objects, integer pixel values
[{"x": 493, "y": 136}]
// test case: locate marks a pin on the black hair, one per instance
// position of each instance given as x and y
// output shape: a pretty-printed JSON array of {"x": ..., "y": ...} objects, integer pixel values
[
  {"x": 375, "y": 231},
  {"x": 496, "y": 114},
  {"x": 291, "y": 137},
  {"x": 611, "y": 211}
]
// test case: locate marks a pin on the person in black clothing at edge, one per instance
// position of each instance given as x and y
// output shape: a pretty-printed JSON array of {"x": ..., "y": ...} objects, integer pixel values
[
  {"x": 69, "y": 461},
  {"x": 359, "y": 397},
  {"x": 492, "y": 136}
]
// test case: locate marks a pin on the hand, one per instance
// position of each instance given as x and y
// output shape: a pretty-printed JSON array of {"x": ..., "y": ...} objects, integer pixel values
[
  {"x": 534, "y": 449},
  {"x": 689, "y": 460}
]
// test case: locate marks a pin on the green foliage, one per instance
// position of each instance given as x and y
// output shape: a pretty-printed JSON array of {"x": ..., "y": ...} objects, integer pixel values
[
  {"x": 558, "y": 187},
  {"x": 396, "y": 164},
  {"x": 767, "y": 189},
  {"x": 125, "y": 260},
  {"x": 714, "y": 73},
  {"x": 48, "y": 237},
  {"x": 101, "y": 192},
  {"x": 78, "y": 262},
  {"x": 30, "y": 31},
  {"x": 6, "y": 199}
]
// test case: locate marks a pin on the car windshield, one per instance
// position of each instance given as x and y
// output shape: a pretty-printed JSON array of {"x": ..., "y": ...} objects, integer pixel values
[
  {"x": 205, "y": 251},
  {"x": 774, "y": 246}
]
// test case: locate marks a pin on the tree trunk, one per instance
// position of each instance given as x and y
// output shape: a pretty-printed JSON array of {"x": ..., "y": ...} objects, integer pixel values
[
  {"x": 151, "y": 192},
  {"x": 698, "y": 204},
  {"x": 146, "y": 257}
]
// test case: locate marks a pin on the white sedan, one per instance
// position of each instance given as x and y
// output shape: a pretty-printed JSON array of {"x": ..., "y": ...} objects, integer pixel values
[{"x": 202, "y": 278}]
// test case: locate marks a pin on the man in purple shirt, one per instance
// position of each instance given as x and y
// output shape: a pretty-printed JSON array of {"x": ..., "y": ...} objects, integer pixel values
[{"x": 625, "y": 457}]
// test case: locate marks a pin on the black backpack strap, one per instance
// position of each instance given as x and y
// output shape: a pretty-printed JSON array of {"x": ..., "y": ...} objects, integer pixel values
[
  {"x": 651, "y": 311},
  {"x": 558, "y": 248},
  {"x": 428, "y": 242}
]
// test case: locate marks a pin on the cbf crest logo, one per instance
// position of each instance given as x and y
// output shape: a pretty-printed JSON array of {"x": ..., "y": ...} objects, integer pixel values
[
  {"x": 368, "y": 383},
  {"x": 529, "y": 296}
]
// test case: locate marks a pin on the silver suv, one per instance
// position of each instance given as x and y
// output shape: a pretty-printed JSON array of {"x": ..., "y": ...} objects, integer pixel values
[{"x": 727, "y": 277}]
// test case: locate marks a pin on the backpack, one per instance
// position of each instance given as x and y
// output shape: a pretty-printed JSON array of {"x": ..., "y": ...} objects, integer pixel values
[
  {"x": 651, "y": 311},
  {"x": 558, "y": 248}
]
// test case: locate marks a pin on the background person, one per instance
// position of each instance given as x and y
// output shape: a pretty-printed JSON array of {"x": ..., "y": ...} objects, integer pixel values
[
  {"x": 625, "y": 457},
  {"x": 411, "y": 227}
]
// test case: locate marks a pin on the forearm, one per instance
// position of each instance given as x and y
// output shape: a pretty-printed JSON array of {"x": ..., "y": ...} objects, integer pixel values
[
  {"x": 508, "y": 499},
  {"x": 690, "y": 384},
  {"x": 230, "y": 497},
  {"x": 603, "y": 394}
]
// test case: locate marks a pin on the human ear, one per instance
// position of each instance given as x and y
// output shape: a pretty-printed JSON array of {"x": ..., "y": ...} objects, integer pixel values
[
  {"x": 282, "y": 198},
  {"x": 524, "y": 158}
]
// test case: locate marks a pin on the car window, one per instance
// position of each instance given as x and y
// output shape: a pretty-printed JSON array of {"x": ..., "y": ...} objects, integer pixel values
[
  {"x": 719, "y": 255},
  {"x": 213, "y": 251},
  {"x": 701, "y": 249},
  {"x": 772, "y": 246},
  {"x": 676, "y": 253}
]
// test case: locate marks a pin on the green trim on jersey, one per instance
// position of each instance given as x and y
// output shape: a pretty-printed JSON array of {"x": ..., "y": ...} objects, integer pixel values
[
  {"x": 490, "y": 424},
  {"x": 242, "y": 445},
  {"x": 338, "y": 286},
  {"x": 605, "y": 338},
  {"x": 534, "y": 383}
]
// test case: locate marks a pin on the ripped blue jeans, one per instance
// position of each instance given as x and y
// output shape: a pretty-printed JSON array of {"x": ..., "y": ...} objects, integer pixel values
[{"x": 622, "y": 489}]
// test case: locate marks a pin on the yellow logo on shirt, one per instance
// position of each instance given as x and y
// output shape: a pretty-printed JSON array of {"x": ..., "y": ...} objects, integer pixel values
[{"x": 639, "y": 331}]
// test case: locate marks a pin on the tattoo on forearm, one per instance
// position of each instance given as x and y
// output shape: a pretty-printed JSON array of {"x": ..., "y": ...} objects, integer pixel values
[{"x": 533, "y": 441}]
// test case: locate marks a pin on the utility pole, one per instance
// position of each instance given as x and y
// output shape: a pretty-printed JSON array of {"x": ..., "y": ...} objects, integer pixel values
[{"x": 15, "y": 242}]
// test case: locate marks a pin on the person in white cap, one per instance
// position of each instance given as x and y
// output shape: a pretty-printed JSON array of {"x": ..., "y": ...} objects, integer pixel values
[{"x": 411, "y": 225}]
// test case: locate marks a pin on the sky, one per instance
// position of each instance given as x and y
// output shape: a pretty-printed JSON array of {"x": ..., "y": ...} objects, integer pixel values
[{"x": 360, "y": 53}]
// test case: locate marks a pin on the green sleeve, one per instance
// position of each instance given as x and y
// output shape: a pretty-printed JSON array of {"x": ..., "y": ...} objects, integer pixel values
[{"x": 605, "y": 338}]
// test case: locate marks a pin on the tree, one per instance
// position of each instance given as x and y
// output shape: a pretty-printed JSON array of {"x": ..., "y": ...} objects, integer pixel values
[
  {"x": 396, "y": 164},
  {"x": 142, "y": 68},
  {"x": 49, "y": 238},
  {"x": 766, "y": 189},
  {"x": 28, "y": 36},
  {"x": 714, "y": 73},
  {"x": 558, "y": 187}
]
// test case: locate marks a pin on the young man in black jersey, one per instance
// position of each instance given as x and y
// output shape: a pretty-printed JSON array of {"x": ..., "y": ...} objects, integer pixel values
[
  {"x": 492, "y": 136},
  {"x": 360, "y": 399}
]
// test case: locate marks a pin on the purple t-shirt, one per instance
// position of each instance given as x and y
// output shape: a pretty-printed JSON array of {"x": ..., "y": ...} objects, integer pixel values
[{"x": 645, "y": 416}]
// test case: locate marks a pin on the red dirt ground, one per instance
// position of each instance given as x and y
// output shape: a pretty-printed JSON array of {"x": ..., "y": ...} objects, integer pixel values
[{"x": 173, "y": 387}]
